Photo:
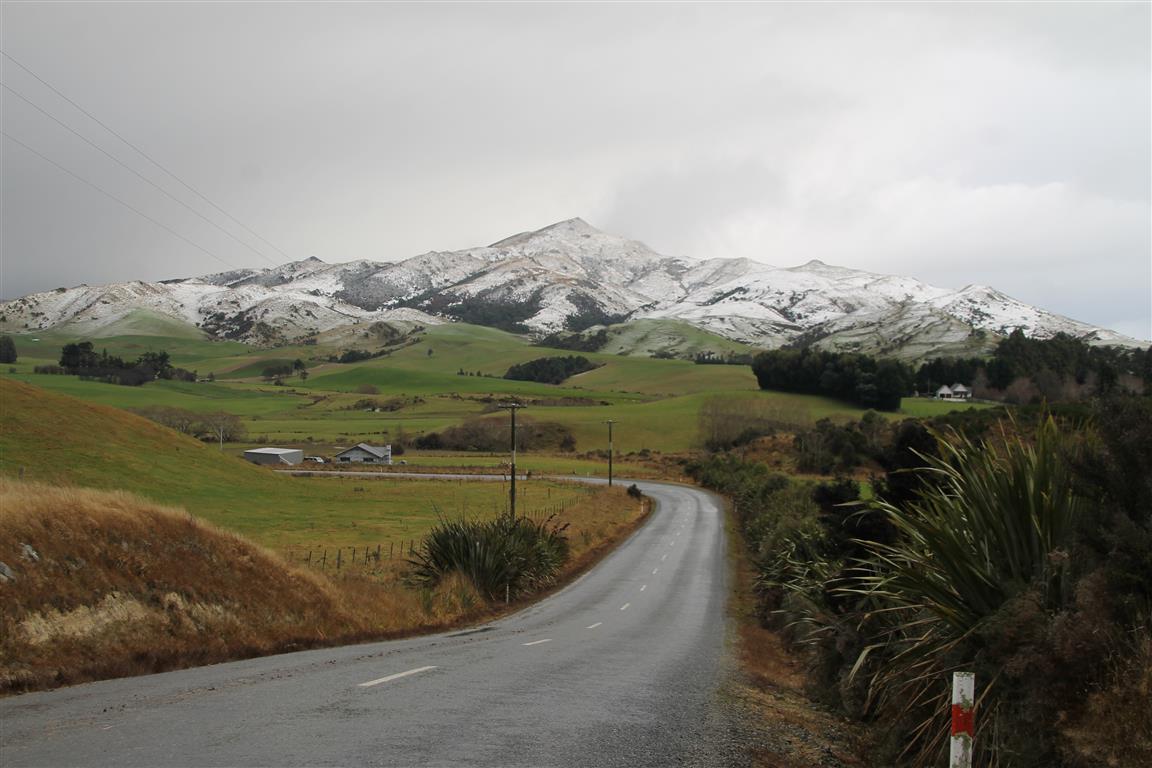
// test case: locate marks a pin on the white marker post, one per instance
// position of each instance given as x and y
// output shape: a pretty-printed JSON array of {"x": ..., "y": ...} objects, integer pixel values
[{"x": 963, "y": 725}]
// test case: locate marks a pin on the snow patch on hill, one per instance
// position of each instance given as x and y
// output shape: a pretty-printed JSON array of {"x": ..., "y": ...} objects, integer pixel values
[{"x": 569, "y": 276}]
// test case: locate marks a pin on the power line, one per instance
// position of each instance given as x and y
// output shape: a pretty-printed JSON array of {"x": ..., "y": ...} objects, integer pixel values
[
  {"x": 145, "y": 155},
  {"x": 139, "y": 175},
  {"x": 129, "y": 206}
]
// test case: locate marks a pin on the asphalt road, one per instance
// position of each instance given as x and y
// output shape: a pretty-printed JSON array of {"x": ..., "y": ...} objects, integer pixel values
[{"x": 623, "y": 667}]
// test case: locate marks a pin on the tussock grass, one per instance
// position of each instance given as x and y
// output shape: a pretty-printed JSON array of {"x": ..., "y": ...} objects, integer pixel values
[{"x": 107, "y": 584}]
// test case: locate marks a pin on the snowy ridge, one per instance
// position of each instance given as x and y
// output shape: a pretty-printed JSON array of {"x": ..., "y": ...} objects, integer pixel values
[{"x": 568, "y": 276}]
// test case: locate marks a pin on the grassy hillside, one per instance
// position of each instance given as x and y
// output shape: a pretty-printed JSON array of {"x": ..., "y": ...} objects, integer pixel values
[
  {"x": 105, "y": 584},
  {"x": 648, "y": 337},
  {"x": 63, "y": 441}
]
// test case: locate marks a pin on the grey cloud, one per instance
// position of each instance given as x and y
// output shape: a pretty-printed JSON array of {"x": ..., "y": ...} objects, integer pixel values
[{"x": 879, "y": 136}]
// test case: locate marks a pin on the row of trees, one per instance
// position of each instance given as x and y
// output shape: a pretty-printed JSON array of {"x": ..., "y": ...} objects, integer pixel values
[
  {"x": 492, "y": 435},
  {"x": 1019, "y": 370},
  {"x": 550, "y": 370},
  {"x": 81, "y": 359},
  {"x": 859, "y": 379},
  {"x": 1054, "y": 365},
  {"x": 216, "y": 425},
  {"x": 277, "y": 373}
]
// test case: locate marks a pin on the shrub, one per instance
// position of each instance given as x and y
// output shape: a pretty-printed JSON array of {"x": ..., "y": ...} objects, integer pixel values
[
  {"x": 508, "y": 556},
  {"x": 7, "y": 350}
]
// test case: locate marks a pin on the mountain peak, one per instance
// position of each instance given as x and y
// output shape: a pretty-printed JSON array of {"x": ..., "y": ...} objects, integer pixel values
[{"x": 576, "y": 226}]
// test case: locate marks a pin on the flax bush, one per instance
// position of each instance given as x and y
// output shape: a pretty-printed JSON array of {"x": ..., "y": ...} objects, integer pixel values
[{"x": 508, "y": 556}]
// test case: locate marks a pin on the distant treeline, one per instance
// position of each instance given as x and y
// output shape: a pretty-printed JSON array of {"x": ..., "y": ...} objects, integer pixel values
[
  {"x": 218, "y": 425},
  {"x": 1020, "y": 369},
  {"x": 575, "y": 342},
  {"x": 1053, "y": 366},
  {"x": 82, "y": 360},
  {"x": 492, "y": 435},
  {"x": 732, "y": 358},
  {"x": 550, "y": 370},
  {"x": 859, "y": 379}
]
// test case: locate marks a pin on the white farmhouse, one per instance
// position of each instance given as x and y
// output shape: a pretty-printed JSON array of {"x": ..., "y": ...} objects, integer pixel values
[
  {"x": 366, "y": 454},
  {"x": 954, "y": 392}
]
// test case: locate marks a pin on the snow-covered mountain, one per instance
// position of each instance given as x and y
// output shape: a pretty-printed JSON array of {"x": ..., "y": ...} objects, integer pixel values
[{"x": 567, "y": 277}]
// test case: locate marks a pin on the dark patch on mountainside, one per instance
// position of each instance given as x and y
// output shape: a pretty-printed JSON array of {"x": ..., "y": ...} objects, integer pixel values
[{"x": 589, "y": 312}]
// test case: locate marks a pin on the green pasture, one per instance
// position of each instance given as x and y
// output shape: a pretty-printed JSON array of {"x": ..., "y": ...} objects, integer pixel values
[
  {"x": 657, "y": 403},
  {"x": 55, "y": 439}
]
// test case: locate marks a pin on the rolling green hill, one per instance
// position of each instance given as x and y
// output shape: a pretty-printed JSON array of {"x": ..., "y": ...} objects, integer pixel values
[
  {"x": 421, "y": 388},
  {"x": 60, "y": 440}
]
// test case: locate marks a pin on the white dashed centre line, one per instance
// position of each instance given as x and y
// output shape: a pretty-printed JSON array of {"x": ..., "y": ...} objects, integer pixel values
[
  {"x": 663, "y": 558},
  {"x": 625, "y": 606},
  {"x": 593, "y": 626},
  {"x": 537, "y": 642},
  {"x": 654, "y": 571},
  {"x": 396, "y": 676},
  {"x": 643, "y": 587}
]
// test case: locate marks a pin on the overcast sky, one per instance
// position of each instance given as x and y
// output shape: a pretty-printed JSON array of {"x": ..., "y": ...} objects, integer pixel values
[{"x": 1003, "y": 144}]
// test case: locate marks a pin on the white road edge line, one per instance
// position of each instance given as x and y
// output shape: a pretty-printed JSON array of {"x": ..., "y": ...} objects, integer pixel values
[
  {"x": 625, "y": 606},
  {"x": 537, "y": 642},
  {"x": 396, "y": 676},
  {"x": 593, "y": 626}
]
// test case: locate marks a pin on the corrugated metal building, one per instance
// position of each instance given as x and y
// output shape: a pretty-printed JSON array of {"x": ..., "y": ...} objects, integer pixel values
[{"x": 274, "y": 455}]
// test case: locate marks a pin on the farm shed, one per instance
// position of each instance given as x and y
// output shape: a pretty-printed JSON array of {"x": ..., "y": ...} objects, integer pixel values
[
  {"x": 274, "y": 455},
  {"x": 366, "y": 454}
]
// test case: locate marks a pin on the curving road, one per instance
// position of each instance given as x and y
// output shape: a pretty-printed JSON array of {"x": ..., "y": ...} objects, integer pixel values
[{"x": 620, "y": 668}]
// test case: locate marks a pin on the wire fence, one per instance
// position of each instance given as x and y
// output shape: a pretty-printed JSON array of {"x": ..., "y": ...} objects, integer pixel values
[{"x": 371, "y": 558}]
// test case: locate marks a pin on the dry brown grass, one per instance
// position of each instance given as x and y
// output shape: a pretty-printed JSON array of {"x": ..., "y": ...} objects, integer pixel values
[
  {"x": 1115, "y": 728},
  {"x": 793, "y": 732},
  {"x": 107, "y": 584}
]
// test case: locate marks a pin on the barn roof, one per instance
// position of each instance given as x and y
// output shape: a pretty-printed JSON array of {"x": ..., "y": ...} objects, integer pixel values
[
  {"x": 273, "y": 451},
  {"x": 378, "y": 452}
]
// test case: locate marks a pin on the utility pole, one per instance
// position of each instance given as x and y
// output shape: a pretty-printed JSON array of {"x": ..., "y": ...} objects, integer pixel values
[
  {"x": 610, "y": 422},
  {"x": 512, "y": 408}
]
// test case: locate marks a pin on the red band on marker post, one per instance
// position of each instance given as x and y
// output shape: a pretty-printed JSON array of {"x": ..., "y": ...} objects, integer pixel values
[{"x": 962, "y": 721}]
